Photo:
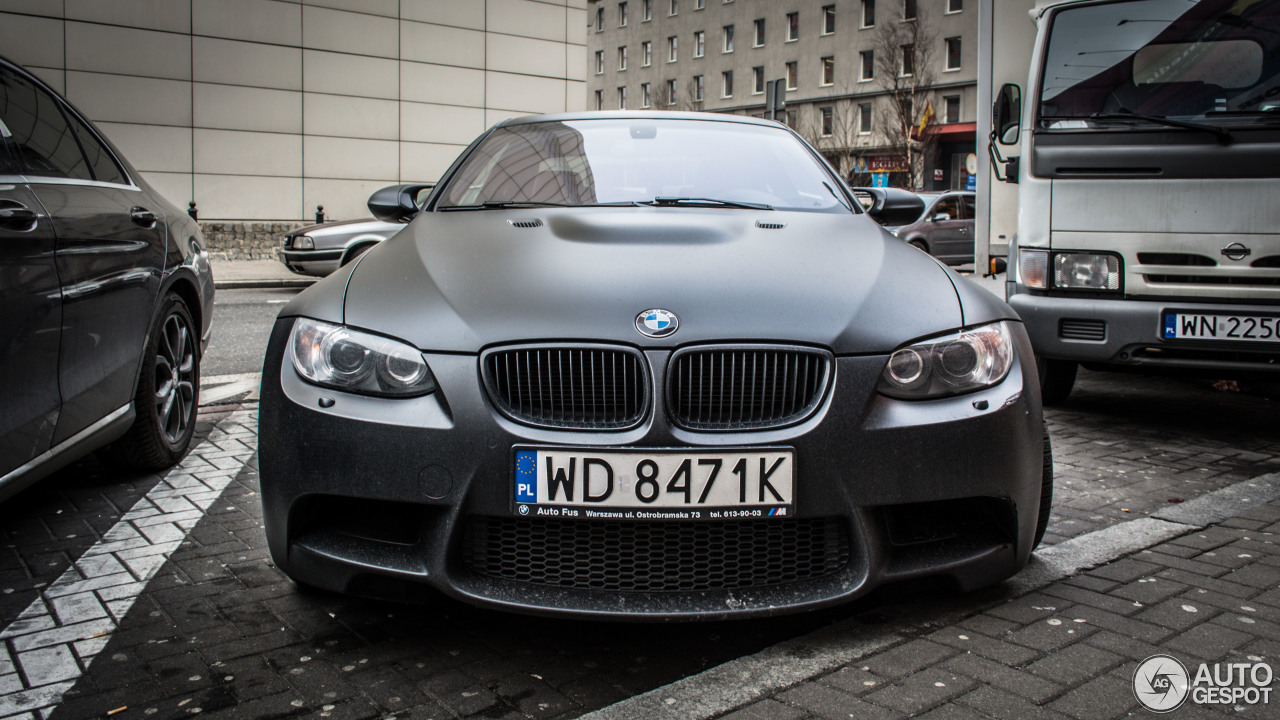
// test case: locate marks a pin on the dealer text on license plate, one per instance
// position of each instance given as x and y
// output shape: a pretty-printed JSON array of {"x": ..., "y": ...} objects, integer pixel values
[
  {"x": 654, "y": 484},
  {"x": 1199, "y": 326}
]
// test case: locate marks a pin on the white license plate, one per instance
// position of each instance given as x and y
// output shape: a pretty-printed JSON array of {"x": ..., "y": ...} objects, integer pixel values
[
  {"x": 653, "y": 484},
  {"x": 1200, "y": 326}
]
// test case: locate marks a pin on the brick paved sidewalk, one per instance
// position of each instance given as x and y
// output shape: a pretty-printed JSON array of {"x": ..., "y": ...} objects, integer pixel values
[{"x": 1070, "y": 649}]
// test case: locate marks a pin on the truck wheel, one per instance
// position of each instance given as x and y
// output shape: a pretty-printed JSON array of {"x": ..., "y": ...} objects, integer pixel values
[
  {"x": 167, "y": 396},
  {"x": 1057, "y": 377},
  {"x": 1046, "y": 492}
]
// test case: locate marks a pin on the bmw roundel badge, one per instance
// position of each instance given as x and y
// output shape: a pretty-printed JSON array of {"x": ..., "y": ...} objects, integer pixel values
[{"x": 657, "y": 323}]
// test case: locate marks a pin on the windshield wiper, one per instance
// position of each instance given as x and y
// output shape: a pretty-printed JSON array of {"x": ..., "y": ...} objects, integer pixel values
[
  {"x": 499, "y": 204},
  {"x": 667, "y": 201},
  {"x": 1223, "y": 134}
]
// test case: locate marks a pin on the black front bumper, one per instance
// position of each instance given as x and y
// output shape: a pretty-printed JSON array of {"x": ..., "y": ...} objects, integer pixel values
[{"x": 389, "y": 498}]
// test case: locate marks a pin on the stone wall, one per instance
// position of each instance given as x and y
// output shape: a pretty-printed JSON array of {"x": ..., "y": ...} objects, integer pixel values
[{"x": 245, "y": 240}]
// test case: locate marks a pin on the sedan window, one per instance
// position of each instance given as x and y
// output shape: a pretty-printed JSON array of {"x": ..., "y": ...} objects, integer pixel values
[{"x": 613, "y": 161}]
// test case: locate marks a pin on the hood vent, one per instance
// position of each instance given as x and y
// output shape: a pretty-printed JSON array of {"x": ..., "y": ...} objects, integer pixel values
[
  {"x": 770, "y": 225},
  {"x": 526, "y": 223}
]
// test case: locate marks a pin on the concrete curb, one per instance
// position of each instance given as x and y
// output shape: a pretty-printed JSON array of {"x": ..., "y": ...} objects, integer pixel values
[
  {"x": 724, "y": 688},
  {"x": 263, "y": 283}
]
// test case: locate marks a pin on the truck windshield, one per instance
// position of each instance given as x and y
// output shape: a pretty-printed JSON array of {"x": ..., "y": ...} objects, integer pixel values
[{"x": 1133, "y": 63}]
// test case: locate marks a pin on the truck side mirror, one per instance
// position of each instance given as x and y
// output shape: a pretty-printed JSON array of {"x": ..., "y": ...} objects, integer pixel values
[{"x": 1006, "y": 114}]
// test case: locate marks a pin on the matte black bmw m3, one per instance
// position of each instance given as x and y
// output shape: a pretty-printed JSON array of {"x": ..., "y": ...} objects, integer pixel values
[{"x": 648, "y": 366}]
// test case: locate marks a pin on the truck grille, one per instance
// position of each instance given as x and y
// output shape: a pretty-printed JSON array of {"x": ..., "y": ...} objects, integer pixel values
[
  {"x": 739, "y": 388},
  {"x": 582, "y": 387},
  {"x": 655, "y": 556}
]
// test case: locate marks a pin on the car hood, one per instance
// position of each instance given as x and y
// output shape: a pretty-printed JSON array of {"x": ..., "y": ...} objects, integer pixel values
[{"x": 461, "y": 281}]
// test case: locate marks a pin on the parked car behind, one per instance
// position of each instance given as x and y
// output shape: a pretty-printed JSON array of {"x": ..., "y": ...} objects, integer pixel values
[
  {"x": 320, "y": 249},
  {"x": 944, "y": 229},
  {"x": 105, "y": 297},
  {"x": 648, "y": 366}
]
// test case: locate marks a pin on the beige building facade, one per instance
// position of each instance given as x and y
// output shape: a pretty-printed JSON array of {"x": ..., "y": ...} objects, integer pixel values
[
  {"x": 843, "y": 63},
  {"x": 260, "y": 110}
]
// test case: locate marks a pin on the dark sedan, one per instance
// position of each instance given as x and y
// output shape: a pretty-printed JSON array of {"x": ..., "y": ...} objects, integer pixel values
[
  {"x": 105, "y": 293},
  {"x": 944, "y": 229},
  {"x": 648, "y": 366}
]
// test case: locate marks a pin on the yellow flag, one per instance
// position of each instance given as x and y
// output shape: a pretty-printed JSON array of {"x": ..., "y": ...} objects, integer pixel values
[{"x": 926, "y": 117}]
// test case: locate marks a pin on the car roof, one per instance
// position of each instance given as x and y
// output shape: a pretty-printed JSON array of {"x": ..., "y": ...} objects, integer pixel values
[{"x": 640, "y": 115}]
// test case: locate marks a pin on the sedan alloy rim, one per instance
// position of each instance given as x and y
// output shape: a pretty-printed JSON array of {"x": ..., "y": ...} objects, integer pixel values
[{"x": 175, "y": 377}]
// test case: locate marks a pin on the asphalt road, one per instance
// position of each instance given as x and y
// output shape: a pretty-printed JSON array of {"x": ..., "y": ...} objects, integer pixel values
[{"x": 242, "y": 321}]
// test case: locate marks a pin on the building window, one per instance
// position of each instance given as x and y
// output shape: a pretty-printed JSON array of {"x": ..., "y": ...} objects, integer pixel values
[
  {"x": 645, "y": 96},
  {"x": 728, "y": 38},
  {"x": 793, "y": 75},
  {"x": 599, "y": 62},
  {"x": 698, "y": 88},
  {"x": 622, "y": 98},
  {"x": 674, "y": 7},
  {"x": 759, "y": 32},
  {"x": 826, "y": 121},
  {"x": 699, "y": 43},
  {"x": 867, "y": 62},
  {"x": 828, "y": 19},
  {"x": 599, "y": 99},
  {"x": 622, "y": 58},
  {"x": 758, "y": 87},
  {"x": 908, "y": 60},
  {"x": 864, "y": 118},
  {"x": 791, "y": 119},
  {"x": 793, "y": 26},
  {"x": 671, "y": 93},
  {"x": 600, "y": 19},
  {"x": 646, "y": 54},
  {"x": 955, "y": 6},
  {"x": 868, "y": 13},
  {"x": 671, "y": 48},
  {"x": 829, "y": 70},
  {"x": 699, "y": 4},
  {"x": 646, "y": 9},
  {"x": 622, "y": 14},
  {"x": 908, "y": 9},
  {"x": 953, "y": 53},
  {"x": 952, "y": 103},
  {"x": 726, "y": 83}
]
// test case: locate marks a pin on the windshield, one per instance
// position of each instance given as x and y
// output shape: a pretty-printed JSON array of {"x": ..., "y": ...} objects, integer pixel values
[
  {"x": 669, "y": 162},
  {"x": 1212, "y": 60}
]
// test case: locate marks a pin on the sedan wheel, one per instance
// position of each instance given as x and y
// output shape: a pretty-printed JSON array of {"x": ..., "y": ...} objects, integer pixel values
[
  {"x": 167, "y": 396},
  {"x": 919, "y": 245}
]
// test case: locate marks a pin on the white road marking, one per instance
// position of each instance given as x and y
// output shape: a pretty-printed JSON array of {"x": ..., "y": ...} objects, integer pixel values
[{"x": 57, "y": 637}]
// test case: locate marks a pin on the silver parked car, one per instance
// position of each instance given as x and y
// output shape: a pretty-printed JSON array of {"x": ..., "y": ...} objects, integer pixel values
[{"x": 320, "y": 249}]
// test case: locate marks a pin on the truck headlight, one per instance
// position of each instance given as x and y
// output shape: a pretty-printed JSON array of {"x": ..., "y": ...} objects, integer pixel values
[
  {"x": 1086, "y": 271},
  {"x": 1098, "y": 272},
  {"x": 949, "y": 365},
  {"x": 357, "y": 362}
]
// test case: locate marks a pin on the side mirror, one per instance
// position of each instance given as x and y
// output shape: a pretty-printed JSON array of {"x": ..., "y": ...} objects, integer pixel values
[
  {"x": 1006, "y": 114},
  {"x": 397, "y": 203},
  {"x": 893, "y": 206}
]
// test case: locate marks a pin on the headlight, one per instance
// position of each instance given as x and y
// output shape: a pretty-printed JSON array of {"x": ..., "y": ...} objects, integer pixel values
[
  {"x": 303, "y": 242},
  {"x": 1086, "y": 271},
  {"x": 357, "y": 362},
  {"x": 951, "y": 365},
  {"x": 1098, "y": 272}
]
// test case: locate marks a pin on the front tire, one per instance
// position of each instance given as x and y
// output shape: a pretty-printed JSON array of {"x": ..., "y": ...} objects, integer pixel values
[
  {"x": 919, "y": 245},
  {"x": 168, "y": 393},
  {"x": 1046, "y": 492},
  {"x": 1057, "y": 377}
]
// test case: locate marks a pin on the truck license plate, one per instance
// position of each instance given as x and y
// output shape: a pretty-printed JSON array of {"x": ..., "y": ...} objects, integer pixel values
[
  {"x": 653, "y": 484},
  {"x": 1200, "y": 326}
]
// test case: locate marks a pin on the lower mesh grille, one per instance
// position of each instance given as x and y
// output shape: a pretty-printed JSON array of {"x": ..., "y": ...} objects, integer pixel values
[
  {"x": 656, "y": 556},
  {"x": 1070, "y": 329}
]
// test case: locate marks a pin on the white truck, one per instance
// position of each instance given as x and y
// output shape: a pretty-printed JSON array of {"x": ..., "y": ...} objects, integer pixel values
[{"x": 1133, "y": 181}]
